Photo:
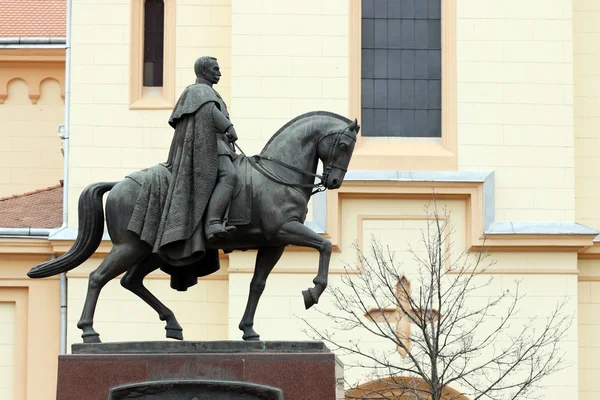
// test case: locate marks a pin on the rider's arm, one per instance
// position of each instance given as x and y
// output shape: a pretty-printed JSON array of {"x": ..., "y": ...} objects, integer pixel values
[{"x": 224, "y": 125}]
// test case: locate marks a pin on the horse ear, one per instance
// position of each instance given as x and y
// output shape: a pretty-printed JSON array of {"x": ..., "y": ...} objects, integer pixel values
[{"x": 354, "y": 126}]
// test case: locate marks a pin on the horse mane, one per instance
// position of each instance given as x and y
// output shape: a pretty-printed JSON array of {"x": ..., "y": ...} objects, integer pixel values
[{"x": 302, "y": 116}]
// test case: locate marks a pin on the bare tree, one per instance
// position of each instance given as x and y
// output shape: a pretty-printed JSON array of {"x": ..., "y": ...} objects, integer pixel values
[{"x": 452, "y": 333}]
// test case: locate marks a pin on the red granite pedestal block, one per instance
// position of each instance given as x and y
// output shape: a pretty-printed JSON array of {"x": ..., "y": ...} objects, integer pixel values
[{"x": 307, "y": 374}]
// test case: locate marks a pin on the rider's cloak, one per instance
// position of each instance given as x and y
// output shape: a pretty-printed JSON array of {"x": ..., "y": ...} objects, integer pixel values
[{"x": 169, "y": 211}]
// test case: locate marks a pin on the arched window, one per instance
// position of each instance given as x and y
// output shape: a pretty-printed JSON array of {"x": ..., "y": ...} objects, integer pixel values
[
  {"x": 154, "y": 38},
  {"x": 401, "y": 388},
  {"x": 152, "y": 63}
]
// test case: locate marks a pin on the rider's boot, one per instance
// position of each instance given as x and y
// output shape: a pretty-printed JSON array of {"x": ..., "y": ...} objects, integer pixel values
[{"x": 216, "y": 220}]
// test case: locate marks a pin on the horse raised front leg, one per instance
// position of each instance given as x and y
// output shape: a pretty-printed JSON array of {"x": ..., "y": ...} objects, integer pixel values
[
  {"x": 266, "y": 259},
  {"x": 133, "y": 280},
  {"x": 296, "y": 233},
  {"x": 120, "y": 258}
]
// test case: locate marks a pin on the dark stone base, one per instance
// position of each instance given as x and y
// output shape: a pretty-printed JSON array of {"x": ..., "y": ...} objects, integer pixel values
[{"x": 302, "y": 370}]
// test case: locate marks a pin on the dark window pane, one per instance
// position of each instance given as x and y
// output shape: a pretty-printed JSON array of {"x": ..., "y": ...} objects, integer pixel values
[
  {"x": 435, "y": 124},
  {"x": 408, "y": 34},
  {"x": 380, "y": 8},
  {"x": 394, "y": 64},
  {"x": 394, "y": 34},
  {"x": 367, "y": 60},
  {"x": 421, "y": 94},
  {"x": 435, "y": 9},
  {"x": 380, "y": 117},
  {"x": 421, "y": 34},
  {"x": 421, "y": 62},
  {"x": 435, "y": 94},
  {"x": 407, "y": 123},
  {"x": 394, "y": 94},
  {"x": 394, "y": 9},
  {"x": 394, "y": 122},
  {"x": 367, "y": 93},
  {"x": 421, "y": 123},
  {"x": 381, "y": 96},
  {"x": 434, "y": 64},
  {"x": 408, "y": 8},
  {"x": 381, "y": 64},
  {"x": 408, "y": 64},
  {"x": 154, "y": 32},
  {"x": 367, "y": 9},
  {"x": 407, "y": 88},
  {"x": 421, "y": 7},
  {"x": 368, "y": 33},
  {"x": 366, "y": 124},
  {"x": 381, "y": 33},
  {"x": 435, "y": 34}
]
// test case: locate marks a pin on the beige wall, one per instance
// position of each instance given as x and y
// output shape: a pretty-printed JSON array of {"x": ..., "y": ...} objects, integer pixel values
[
  {"x": 515, "y": 103},
  {"x": 7, "y": 350},
  {"x": 586, "y": 28},
  {"x": 30, "y": 155},
  {"x": 289, "y": 57},
  {"x": 108, "y": 140}
]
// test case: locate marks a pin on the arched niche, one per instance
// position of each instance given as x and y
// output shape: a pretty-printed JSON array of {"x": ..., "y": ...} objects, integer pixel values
[
  {"x": 18, "y": 91},
  {"x": 50, "y": 91},
  {"x": 34, "y": 75},
  {"x": 391, "y": 388}
]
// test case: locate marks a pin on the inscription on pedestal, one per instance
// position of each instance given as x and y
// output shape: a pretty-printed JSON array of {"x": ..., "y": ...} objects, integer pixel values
[{"x": 195, "y": 390}]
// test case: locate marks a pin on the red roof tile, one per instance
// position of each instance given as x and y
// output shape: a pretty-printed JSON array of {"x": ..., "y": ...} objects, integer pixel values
[
  {"x": 38, "y": 209},
  {"x": 33, "y": 18}
]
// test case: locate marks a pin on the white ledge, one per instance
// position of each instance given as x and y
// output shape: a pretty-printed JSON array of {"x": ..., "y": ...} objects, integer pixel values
[{"x": 539, "y": 228}]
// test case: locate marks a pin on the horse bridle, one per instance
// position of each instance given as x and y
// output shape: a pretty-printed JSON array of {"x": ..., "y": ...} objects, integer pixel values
[
  {"x": 318, "y": 187},
  {"x": 332, "y": 149}
]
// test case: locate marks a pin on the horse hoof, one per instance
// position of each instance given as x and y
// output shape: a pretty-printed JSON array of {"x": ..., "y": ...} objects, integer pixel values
[
  {"x": 309, "y": 299},
  {"x": 174, "y": 333},
  {"x": 91, "y": 338},
  {"x": 253, "y": 338}
]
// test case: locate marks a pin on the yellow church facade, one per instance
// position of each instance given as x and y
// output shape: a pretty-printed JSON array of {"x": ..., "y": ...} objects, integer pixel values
[{"x": 504, "y": 128}]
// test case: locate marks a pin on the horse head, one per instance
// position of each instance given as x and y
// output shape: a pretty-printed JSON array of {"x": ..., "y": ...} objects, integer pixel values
[{"x": 335, "y": 149}]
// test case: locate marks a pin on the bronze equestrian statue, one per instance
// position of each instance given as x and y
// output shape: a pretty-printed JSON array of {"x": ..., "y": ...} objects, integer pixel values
[{"x": 177, "y": 215}]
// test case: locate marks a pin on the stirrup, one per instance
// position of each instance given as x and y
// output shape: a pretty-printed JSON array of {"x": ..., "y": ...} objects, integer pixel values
[{"x": 218, "y": 230}]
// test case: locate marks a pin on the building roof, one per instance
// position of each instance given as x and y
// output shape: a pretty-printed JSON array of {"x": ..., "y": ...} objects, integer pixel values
[
  {"x": 33, "y": 18},
  {"x": 38, "y": 209}
]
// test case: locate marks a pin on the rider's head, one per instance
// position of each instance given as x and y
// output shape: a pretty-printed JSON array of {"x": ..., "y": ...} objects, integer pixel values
[{"x": 207, "y": 69}]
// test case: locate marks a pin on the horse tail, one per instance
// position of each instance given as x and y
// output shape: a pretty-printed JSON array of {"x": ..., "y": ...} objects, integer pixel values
[{"x": 89, "y": 234}]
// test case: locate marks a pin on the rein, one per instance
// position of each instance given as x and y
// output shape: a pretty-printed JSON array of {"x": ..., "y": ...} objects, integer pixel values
[
  {"x": 254, "y": 161},
  {"x": 318, "y": 187}
]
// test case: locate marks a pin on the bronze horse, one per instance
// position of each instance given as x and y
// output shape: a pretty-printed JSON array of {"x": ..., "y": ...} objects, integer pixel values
[{"x": 282, "y": 181}]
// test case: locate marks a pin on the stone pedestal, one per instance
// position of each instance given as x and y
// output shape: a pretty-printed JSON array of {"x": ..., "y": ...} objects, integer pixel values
[{"x": 200, "y": 371}]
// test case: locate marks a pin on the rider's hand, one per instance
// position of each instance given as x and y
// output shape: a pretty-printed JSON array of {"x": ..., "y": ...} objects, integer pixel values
[{"x": 231, "y": 134}]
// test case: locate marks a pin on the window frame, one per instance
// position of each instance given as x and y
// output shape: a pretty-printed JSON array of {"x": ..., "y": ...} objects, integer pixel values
[
  {"x": 407, "y": 153},
  {"x": 158, "y": 97},
  {"x": 401, "y": 71}
]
